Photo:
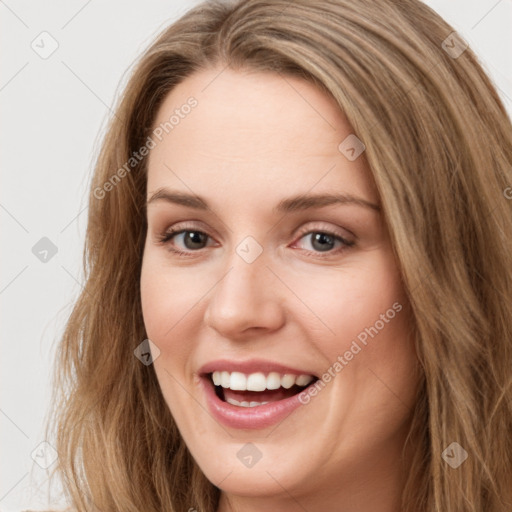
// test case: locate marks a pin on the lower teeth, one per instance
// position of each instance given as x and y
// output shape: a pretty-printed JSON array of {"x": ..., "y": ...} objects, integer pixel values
[{"x": 244, "y": 404}]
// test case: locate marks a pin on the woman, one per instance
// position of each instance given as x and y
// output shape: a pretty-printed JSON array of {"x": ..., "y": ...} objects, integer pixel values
[{"x": 265, "y": 369}]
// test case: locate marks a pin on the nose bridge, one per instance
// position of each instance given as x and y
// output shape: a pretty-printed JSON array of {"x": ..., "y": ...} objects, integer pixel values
[{"x": 246, "y": 296}]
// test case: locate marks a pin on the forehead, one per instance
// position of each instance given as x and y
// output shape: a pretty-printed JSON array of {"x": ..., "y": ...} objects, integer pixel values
[{"x": 251, "y": 129}]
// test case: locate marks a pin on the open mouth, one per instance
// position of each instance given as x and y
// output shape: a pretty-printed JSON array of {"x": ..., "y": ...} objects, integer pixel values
[{"x": 257, "y": 389}]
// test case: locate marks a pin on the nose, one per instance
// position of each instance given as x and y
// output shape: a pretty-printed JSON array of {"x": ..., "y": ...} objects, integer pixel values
[{"x": 249, "y": 297}]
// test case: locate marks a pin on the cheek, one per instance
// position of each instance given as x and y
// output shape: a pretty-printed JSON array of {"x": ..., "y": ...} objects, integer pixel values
[
  {"x": 361, "y": 314},
  {"x": 345, "y": 302},
  {"x": 167, "y": 300},
  {"x": 167, "y": 295}
]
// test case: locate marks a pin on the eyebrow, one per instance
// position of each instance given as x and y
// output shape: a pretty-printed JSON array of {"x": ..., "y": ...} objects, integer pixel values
[{"x": 291, "y": 204}]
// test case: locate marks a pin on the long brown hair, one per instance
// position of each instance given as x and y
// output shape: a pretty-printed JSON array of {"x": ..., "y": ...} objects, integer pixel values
[{"x": 439, "y": 144}]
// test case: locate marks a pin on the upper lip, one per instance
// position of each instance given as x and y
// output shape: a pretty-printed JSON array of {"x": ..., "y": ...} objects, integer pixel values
[{"x": 250, "y": 366}]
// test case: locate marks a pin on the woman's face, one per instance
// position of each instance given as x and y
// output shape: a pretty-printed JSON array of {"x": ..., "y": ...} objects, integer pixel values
[{"x": 287, "y": 275}]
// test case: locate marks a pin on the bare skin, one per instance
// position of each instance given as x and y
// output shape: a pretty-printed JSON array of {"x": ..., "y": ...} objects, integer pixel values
[{"x": 253, "y": 140}]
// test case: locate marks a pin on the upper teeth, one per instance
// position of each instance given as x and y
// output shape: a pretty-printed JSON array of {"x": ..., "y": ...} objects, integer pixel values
[{"x": 258, "y": 381}]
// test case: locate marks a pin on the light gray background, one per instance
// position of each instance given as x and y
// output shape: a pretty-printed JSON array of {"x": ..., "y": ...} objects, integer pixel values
[{"x": 53, "y": 113}]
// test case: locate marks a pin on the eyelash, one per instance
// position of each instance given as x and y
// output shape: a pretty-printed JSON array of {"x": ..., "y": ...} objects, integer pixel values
[{"x": 168, "y": 235}]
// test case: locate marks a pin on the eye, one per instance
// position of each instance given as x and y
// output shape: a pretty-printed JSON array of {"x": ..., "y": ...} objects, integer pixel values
[
  {"x": 325, "y": 241},
  {"x": 193, "y": 240}
]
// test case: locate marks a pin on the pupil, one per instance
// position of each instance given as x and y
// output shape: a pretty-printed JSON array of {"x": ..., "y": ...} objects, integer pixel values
[
  {"x": 194, "y": 237},
  {"x": 322, "y": 237}
]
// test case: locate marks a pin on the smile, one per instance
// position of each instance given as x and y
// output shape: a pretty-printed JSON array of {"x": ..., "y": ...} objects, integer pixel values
[
  {"x": 253, "y": 399},
  {"x": 239, "y": 389}
]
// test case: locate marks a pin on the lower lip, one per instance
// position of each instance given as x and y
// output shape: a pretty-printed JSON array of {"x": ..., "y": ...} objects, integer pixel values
[{"x": 258, "y": 417}]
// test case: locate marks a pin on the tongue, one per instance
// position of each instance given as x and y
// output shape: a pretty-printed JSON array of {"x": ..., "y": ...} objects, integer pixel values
[{"x": 261, "y": 396}]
